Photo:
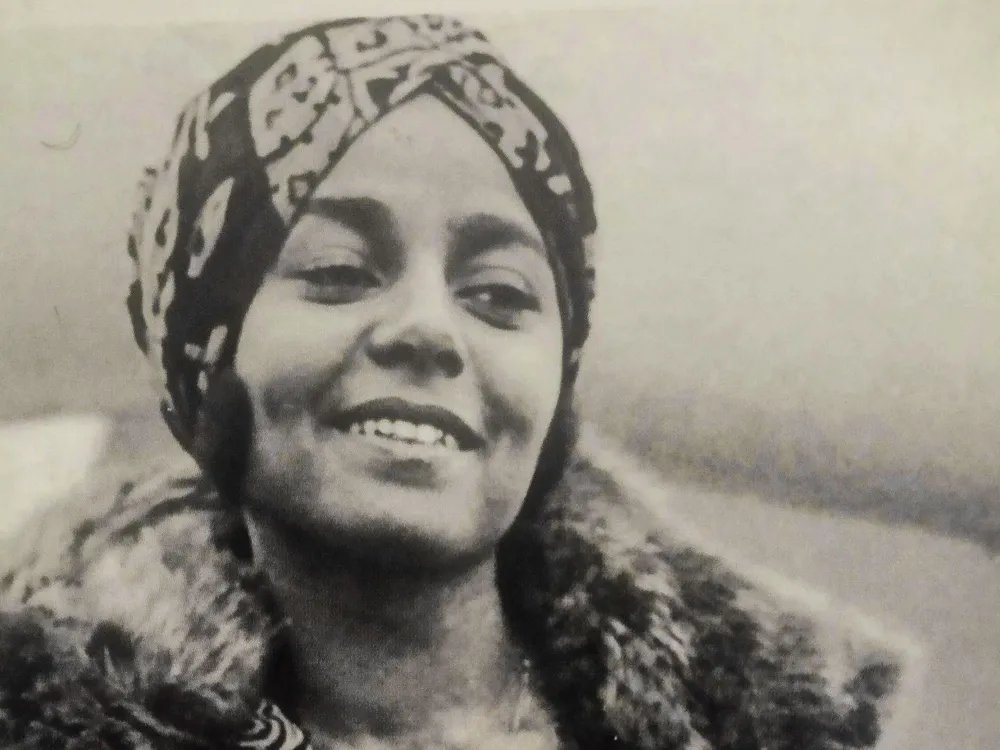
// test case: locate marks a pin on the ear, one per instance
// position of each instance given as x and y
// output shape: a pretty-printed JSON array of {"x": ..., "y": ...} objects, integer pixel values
[{"x": 224, "y": 433}]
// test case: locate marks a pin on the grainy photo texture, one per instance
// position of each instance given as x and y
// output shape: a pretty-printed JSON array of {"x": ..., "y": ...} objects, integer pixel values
[{"x": 597, "y": 379}]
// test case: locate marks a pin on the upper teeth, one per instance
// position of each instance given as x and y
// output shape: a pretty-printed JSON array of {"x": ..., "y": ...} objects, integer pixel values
[{"x": 399, "y": 430}]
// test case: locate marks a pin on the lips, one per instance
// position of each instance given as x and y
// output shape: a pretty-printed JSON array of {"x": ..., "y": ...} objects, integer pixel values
[{"x": 395, "y": 418}]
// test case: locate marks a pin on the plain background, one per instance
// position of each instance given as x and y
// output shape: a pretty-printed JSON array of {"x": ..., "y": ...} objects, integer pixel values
[{"x": 798, "y": 264}]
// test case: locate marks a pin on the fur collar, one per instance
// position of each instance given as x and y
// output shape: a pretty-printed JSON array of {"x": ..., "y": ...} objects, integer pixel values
[{"x": 135, "y": 620}]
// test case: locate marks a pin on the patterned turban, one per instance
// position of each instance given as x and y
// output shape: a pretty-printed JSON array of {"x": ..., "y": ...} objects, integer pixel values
[{"x": 247, "y": 153}]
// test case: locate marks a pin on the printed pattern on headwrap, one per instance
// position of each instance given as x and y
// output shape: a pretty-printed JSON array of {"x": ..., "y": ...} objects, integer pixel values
[
  {"x": 248, "y": 152},
  {"x": 326, "y": 89}
]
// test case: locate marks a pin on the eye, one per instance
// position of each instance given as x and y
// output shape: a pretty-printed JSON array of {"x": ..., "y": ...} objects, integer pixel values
[
  {"x": 501, "y": 304},
  {"x": 337, "y": 284}
]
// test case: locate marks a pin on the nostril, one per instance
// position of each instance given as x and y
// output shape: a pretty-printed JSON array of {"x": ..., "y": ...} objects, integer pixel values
[
  {"x": 425, "y": 355},
  {"x": 450, "y": 363},
  {"x": 392, "y": 355}
]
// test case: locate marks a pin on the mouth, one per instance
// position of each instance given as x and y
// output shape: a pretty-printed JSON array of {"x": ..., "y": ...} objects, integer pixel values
[{"x": 405, "y": 422}]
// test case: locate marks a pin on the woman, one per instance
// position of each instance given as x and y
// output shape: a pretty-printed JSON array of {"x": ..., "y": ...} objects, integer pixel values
[{"x": 363, "y": 280}]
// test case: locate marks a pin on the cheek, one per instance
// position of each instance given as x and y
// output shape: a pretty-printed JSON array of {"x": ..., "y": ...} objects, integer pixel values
[
  {"x": 523, "y": 377},
  {"x": 287, "y": 350}
]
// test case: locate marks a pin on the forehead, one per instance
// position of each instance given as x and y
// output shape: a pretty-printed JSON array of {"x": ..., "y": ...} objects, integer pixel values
[{"x": 420, "y": 147}]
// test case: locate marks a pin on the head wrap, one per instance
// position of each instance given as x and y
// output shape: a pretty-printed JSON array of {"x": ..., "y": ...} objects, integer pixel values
[{"x": 248, "y": 152}]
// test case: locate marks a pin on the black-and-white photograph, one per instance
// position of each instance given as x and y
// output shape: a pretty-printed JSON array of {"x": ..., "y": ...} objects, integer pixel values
[{"x": 510, "y": 377}]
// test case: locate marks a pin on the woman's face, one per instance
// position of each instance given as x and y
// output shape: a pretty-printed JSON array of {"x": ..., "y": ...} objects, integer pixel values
[{"x": 404, "y": 354}]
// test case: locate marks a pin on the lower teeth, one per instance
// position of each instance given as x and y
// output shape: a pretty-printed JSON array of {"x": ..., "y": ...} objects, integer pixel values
[
  {"x": 445, "y": 442},
  {"x": 406, "y": 440},
  {"x": 395, "y": 439}
]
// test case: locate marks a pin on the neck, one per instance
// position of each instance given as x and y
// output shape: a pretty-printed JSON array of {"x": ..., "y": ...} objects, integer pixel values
[{"x": 381, "y": 651}]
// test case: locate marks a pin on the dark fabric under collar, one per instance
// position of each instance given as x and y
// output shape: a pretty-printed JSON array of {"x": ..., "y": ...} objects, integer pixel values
[{"x": 272, "y": 730}]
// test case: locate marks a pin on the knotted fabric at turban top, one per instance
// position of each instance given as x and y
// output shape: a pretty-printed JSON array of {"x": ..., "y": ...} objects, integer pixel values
[{"x": 248, "y": 152}]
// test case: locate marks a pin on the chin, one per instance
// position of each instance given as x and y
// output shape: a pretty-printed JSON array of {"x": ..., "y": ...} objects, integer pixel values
[
  {"x": 387, "y": 508},
  {"x": 405, "y": 526}
]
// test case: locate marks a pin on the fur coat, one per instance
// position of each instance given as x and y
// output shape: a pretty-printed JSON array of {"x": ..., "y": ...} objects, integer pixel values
[{"x": 132, "y": 617}]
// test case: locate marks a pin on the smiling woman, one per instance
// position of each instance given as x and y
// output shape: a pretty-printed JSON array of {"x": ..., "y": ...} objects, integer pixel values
[
  {"x": 404, "y": 355},
  {"x": 363, "y": 281}
]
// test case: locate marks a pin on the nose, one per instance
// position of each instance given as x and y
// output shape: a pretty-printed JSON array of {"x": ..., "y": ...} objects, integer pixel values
[{"x": 419, "y": 334}]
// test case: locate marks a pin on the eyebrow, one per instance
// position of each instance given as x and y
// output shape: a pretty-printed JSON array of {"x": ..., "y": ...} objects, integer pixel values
[
  {"x": 368, "y": 217},
  {"x": 373, "y": 219},
  {"x": 485, "y": 231}
]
